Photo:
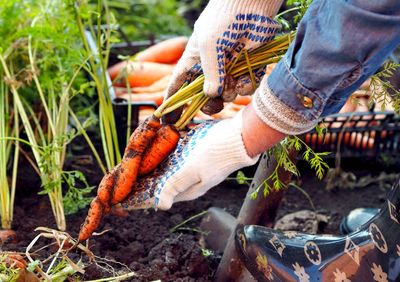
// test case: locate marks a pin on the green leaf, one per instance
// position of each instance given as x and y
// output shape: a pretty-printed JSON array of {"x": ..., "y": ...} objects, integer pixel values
[
  {"x": 32, "y": 265},
  {"x": 241, "y": 178},
  {"x": 253, "y": 195},
  {"x": 267, "y": 189},
  {"x": 206, "y": 252}
]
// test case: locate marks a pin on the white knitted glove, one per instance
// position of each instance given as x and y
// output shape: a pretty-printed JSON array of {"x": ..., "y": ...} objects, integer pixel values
[
  {"x": 223, "y": 29},
  {"x": 202, "y": 159}
]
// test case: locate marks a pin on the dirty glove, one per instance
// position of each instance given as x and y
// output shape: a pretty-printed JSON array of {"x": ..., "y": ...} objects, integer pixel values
[
  {"x": 223, "y": 29},
  {"x": 202, "y": 159}
]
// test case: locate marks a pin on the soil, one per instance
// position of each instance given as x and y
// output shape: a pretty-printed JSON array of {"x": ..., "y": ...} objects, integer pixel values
[{"x": 142, "y": 241}]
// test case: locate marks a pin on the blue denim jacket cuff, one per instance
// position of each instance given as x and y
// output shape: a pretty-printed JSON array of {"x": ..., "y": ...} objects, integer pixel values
[
  {"x": 288, "y": 88},
  {"x": 284, "y": 104}
]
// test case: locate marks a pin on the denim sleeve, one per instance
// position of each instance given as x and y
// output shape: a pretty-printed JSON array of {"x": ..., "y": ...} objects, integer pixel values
[{"x": 338, "y": 45}]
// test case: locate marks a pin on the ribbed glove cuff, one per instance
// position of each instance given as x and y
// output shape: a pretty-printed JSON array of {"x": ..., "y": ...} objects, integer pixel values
[
  {"x": 215, "y": 157},
  {"x": 228, "y": 147},
  {"x": 276, "y": 114}
]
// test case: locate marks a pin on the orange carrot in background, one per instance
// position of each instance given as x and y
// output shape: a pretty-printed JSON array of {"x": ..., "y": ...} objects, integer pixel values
[
  {"x": 92, "y": 220},
  {"x": 164, "y": 143},
  {"x": 157, "y": 97},
  {"x": 138, "y": 73},
  {"x": 166, "y": 52},
  {"x": 159, "y": 85}
]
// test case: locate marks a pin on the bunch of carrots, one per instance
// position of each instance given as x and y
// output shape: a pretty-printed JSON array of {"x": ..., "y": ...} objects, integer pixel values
[
  {"x": 148, "y": 146},
  {"x": 152, "y": 142}
]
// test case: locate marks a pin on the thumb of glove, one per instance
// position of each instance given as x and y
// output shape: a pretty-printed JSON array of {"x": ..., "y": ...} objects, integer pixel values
[
  {"x": 214, "y": 70},
  {"x": 187, "y": 69}
]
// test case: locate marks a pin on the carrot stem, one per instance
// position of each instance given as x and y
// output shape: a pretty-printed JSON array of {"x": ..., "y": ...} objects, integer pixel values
[
  {"x": 180, "y": 104},
  {"x": 253, "y": 81},
  {"x": 183, "y": 93},
  {"x": 192, "y": 93},
  {"x": 232, "y": 65},
  {"x": 191, "y": 111}
]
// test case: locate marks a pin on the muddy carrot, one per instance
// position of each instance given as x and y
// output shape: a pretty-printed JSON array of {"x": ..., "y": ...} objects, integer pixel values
[
  {"x": 164, "y": 143},
  {"x": 147, "y": 129},
  {"x": 126, "y": 177},
  {"x": 128, "y": 171},
  {"x": 92, "y": 220},
  {"x": 106, "y": 186}
]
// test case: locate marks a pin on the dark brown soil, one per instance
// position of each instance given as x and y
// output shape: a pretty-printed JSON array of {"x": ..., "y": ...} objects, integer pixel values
[{"x": 142, "y": 241}]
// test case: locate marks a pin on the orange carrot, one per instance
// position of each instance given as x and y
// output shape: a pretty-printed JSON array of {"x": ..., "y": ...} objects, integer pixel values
[
  {"x": 126, "y": 176},
  {"x": 13, "y": 259},
  {"x": 106, "y": 187},
  {"x": 166, "y": 52},
  {"x": 138, "y": 73},
  {"x": 92, "y": 220},
  {"x": 117, "y": 184},
  {"x": 157, "y": 97},
  {"x": 159, "y": 85},
  {"x": 142, "y": 135},
  {"x": 137, "y": 145},
  {"x": 164, "y": 143},
  {"x": 242, "y": 100}
]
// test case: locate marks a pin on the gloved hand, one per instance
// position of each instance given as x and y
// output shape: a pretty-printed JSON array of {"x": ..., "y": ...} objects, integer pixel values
[
  {"x": 223, "y": 29},
  {"x": 203, "y": 158}
]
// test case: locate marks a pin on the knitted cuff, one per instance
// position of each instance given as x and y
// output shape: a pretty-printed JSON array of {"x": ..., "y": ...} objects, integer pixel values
[
  {"x": 278, "y": 115},
  {"x": 228, "y": 146},
  {"x": 222, "y": 153},
  {"x": 268, "y": 8}
]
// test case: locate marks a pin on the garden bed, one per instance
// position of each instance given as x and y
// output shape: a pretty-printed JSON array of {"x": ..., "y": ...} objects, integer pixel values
[{"x": 142, "y": 241}]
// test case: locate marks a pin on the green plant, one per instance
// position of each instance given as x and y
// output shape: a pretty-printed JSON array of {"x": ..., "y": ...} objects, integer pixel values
[
  {"x": 206, "y": 252},
  {"x": 90, "y": 21},
  {"x": 290, "y": 17},
  {"x": 180, "y": 226},
  {"x": 142, "y": 19},
  {"x": 383, "y": 92},
  {"x": 281, "y": 153},
  {"x": 9, "y": 127},
  {"x": 8, "y": 273},
  {"x": 76, "y": 198},
  {"x": 40, "y": 59}
]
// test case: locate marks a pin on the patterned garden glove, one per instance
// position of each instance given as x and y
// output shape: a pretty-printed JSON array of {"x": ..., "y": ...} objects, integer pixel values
[
  {"x": 223, "y": 29},
  {"x": 202, "y": 159}
]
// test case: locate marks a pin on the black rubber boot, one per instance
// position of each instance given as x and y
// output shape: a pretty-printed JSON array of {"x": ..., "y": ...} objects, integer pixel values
[
  {"x": 356, "y": 218},
  {"x": 372, "y": 253}
]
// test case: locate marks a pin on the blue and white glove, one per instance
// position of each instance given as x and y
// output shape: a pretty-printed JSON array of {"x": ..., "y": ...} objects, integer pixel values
[
  {"x": 203, "y": 158},
  {"x": 224, "y": 28}
]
